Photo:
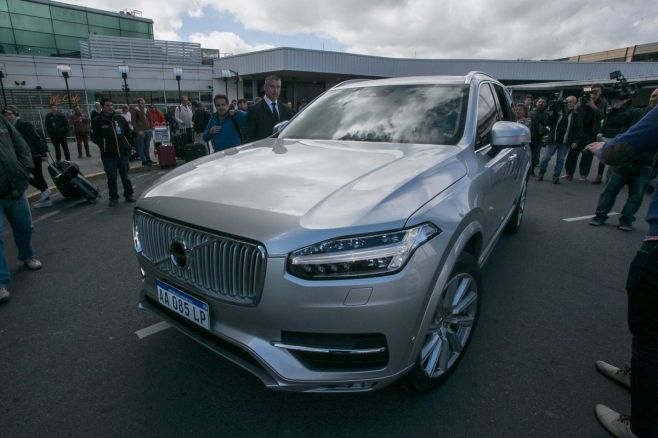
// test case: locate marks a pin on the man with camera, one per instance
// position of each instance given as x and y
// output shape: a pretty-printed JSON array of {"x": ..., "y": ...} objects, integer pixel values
[
  {"x": 635, "y": 174},
  {"x": 565, "y": 131},
  {"x": 538, "y": 124}
]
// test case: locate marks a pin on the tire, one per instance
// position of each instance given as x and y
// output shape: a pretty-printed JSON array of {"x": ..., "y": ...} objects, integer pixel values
[
  {"x": 514, "y": 223},
  {"x": 451, "y": 330}
]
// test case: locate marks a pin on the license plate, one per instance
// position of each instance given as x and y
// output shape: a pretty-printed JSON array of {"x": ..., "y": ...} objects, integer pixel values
[{"x": 183, "y": 304}]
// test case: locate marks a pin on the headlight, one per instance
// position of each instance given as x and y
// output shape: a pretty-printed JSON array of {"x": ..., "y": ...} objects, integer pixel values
[
  {"x": 138, "y": 245},
  {"x": 358, "y": 256}
]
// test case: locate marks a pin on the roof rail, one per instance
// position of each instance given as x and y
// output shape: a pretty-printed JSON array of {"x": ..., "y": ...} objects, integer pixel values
[
  {"x": 470, "y": 75},
  {"x": 349, "y": 81}
]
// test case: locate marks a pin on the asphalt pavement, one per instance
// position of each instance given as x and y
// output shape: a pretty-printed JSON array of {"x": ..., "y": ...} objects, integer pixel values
[{"x": 72, "y": 363}]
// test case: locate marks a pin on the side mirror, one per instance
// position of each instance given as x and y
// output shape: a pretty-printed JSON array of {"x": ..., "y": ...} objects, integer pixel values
[
  {"x": 279, "y": 127},
  {"x": 509, "y": 135}
]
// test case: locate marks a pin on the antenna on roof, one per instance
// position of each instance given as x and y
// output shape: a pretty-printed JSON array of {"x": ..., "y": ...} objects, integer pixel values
[{"x": 129, "y": 11}]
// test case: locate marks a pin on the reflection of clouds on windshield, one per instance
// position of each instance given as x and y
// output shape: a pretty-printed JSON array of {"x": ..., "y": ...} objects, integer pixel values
[{"x": 396, "y": 114}]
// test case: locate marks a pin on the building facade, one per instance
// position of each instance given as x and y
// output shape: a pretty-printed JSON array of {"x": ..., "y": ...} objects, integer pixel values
[{"x": 46, "y": 28}]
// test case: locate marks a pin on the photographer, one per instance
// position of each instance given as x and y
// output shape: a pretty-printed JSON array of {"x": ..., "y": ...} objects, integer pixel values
[
  {"x": 565, "y": 130},
  {"x": 593, "y": 107},
  {"x": 538, "y": 124}
]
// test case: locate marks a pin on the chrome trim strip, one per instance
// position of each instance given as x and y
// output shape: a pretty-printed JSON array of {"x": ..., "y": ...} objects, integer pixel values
[{"x": 330, "y": 350}]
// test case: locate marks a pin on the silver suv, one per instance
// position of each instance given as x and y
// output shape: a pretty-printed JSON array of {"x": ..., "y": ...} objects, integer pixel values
[{"x": 345, "y": 251}]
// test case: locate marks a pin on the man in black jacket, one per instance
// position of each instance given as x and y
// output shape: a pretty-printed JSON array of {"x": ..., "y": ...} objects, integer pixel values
[
  {"x": 110, "y": 132},
  {"x": 58, "y": 126},
  {"x": 565, "y": 132},
  {"x": 538, "y": 124},
  {"x": 262, "y": 116}
]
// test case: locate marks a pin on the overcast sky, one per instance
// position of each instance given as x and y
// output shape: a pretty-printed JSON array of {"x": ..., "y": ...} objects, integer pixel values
[{"x": 466, "y": 29}]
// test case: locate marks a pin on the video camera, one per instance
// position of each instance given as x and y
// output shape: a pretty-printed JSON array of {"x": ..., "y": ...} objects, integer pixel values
[
  {"x": 557, "y": 102},
  {"x": 621, "y": 89}
]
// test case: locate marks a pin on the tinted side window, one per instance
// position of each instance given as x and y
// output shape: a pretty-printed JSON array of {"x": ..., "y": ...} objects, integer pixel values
[
  {"x": 487, "y": 116},
  {"x": 506, "y": 112}
]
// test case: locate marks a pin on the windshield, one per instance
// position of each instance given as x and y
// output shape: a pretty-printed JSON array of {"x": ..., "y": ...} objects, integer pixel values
[{"x": 430, "y": 114}]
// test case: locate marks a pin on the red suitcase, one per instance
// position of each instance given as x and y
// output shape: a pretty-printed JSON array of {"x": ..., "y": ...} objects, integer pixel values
[{"x": 166, "y": 155}]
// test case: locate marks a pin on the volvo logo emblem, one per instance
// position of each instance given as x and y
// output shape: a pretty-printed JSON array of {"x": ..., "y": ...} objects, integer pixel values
[{"x": 180, "y": 254}]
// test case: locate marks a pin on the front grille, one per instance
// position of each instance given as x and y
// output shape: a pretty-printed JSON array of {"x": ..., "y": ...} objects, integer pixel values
[{"x": 219, "y": 266}]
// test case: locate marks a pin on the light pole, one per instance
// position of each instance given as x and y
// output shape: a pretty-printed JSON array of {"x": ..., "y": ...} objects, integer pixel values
[
  {"x": 2, "y": 86},
  {"x": 178, "y": 73},
  {"x": 65, "y": 71},
  {"x": 123, "y": 69}
]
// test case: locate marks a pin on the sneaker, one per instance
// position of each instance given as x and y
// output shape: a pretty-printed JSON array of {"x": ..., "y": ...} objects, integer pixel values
[
  {"x": 597, "y": 221},
  {"x": 113, "y": 203},
  {"x": 88, "y": 155},
  {"x": 567, "y": 177},
  {"x": 79, "y": 156},
  {"x": 42, "y": 203},
  {"x": 540, "y": 177},
  {"x": 130, "y": 199},
  {"x": 582, "y": 179},
  {"x": 33, "y": 264},
  {"x": 556, "y": 180},
  {"x": 626, "y": 226},
  {"x": 616, "y": 424},
  {"x": 620, "y": 375},
  {"x": 598, "y": 180},
  {"x": 146, "y": 163},
  {"x": 4, "y": 294}
]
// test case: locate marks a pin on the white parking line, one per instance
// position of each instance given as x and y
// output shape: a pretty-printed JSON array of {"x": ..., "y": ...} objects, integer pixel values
[
  {"x": 584, "y": 218},
  {"x": 151, "y": 330},
  {"x": 46, "y": 216}
]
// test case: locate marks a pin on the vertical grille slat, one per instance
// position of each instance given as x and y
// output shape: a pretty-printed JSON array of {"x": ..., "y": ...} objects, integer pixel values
[{"x": 221, "y": 267}]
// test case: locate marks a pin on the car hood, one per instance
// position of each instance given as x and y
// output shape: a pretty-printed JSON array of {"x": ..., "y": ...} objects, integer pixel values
[{"x": 291, "y": 193}]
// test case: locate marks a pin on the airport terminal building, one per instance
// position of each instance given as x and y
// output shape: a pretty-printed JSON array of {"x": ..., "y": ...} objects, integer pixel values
[{"x": 40, "y": 39}]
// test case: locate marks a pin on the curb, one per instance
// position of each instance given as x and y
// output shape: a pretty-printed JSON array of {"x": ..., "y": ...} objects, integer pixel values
[{"x": 93, "y": 177}]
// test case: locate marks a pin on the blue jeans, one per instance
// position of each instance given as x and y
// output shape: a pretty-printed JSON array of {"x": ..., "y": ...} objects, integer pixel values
[
  {"x": 562, "y": 150},
  {"x": 642, "y": 289},
  {"x": 637, "y": 178},
  {"x": 112, "y": 165},
  {"x": 19, "y": 217},
  {"x": 143, "y": 144}
]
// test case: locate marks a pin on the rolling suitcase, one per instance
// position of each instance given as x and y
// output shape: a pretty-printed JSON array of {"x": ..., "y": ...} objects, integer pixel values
[
  {"x": 62, "y": 172},
  {"x": 194, "y": 151},
  {"x": 179, "y": 141},
  {"x": 70, "y": 182},
  {"x": 166, "y": 155},
  {"x": 84, "y": 187}
]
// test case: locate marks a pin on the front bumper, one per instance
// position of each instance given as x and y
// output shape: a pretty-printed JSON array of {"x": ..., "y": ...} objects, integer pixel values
[{"x": 390, "y": 307}]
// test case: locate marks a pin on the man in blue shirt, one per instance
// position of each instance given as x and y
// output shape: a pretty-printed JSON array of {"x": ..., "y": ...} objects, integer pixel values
[
  {"x": 223, "y": 130},
  {"x": 642, "y": 290}
]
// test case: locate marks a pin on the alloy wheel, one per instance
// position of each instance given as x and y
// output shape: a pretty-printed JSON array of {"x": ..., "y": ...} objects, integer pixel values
[{"x": 451, "y": 327}]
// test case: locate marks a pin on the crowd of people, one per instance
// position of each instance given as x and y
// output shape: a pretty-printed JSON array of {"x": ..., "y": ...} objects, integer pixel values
[
  {"x": 564, "y": 129},
  {"x": 119, "y": 135}
]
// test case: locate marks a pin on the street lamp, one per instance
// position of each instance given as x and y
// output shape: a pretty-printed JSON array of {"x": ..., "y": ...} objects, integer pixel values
[
  {"x": 123, "y": 69},
  {"x": 2, "y": 86},
  {"x": 65, "y": 71},
  {"x": 178, "y": 72}
]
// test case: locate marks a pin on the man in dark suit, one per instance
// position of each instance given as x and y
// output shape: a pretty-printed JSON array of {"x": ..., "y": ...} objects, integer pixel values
[{"x": 262, "y": 116}]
